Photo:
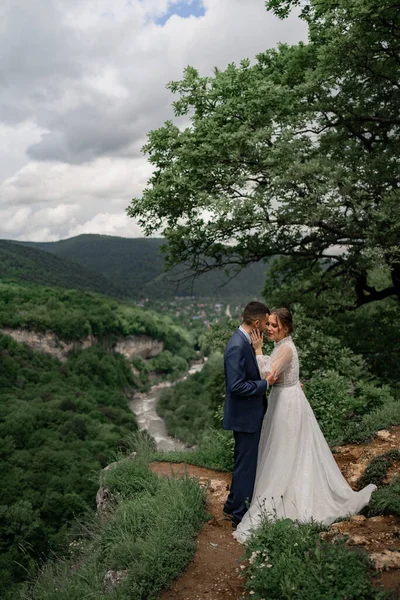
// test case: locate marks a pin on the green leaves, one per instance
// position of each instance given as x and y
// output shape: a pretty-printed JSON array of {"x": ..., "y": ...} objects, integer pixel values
[{"x": 295, "y": 154}]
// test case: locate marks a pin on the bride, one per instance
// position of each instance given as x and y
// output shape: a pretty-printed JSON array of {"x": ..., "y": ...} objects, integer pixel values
[{"x": 297, "y": 476}]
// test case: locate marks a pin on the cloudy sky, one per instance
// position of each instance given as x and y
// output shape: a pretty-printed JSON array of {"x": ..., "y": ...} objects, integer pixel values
[{"x": 81, "y": 84}]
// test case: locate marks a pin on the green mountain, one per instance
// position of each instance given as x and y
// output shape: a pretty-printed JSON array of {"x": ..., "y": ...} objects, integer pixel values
[
  {"x": 25, "y": 264},
  {"x": 136, "y": 266}
]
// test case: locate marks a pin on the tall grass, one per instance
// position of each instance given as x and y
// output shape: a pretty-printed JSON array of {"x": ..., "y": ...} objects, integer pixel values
[{"x": 148, "y": 536}]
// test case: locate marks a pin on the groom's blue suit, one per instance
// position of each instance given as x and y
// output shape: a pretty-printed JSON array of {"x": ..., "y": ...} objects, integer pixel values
[{"x": 245, "y": 406}]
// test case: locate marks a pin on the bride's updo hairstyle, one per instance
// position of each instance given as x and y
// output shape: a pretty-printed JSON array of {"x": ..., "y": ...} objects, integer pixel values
[{"x": 285, "y": 317}]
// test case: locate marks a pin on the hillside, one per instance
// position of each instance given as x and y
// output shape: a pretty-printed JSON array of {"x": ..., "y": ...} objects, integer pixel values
[
  {"x": 135, "y": 265},
  {"x": 62, "y": 421},
  {"x": 74, "y": 315},
  {"x": 21, "y": 263}
]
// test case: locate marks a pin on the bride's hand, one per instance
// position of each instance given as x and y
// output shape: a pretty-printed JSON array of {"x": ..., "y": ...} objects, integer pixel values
[{"x": 256, "y": 339}]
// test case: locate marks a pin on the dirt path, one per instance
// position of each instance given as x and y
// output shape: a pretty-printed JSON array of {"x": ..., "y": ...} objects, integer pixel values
[{"x": 215, "y": 573}]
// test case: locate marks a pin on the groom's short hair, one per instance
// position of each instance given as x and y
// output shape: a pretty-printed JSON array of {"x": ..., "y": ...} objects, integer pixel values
[{"x": 254, "y": 311}]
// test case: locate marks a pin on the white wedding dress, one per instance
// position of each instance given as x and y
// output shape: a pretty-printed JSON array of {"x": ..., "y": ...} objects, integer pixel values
[{"x": 297, "y": 476}]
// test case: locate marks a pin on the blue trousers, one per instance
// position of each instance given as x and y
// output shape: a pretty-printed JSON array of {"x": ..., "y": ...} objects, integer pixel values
[{"x": 244, "y": 473}]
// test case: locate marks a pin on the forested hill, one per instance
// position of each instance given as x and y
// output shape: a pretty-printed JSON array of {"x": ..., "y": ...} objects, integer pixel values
[
  {"x": 22, "y": 264},
  {"x": 62, "y": 421},
  {"x": 136, "y": 266}
]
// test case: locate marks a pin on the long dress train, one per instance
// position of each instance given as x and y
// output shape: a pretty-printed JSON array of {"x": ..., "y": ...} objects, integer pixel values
[{"x": 297, "y": 476}]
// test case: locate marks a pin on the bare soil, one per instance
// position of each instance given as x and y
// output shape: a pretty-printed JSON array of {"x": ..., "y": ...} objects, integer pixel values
[{"x": 215, "y": 572}]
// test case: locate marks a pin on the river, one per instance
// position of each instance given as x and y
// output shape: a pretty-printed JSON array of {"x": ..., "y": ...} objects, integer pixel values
[{"x": 145, "y": 408}]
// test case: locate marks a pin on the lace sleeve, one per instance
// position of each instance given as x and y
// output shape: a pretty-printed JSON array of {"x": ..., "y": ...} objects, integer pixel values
[
  {"x": 278, "y": 361},
  {"x": 264, "y": 363}
]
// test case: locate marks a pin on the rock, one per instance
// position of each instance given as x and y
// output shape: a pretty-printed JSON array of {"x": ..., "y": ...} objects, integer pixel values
[
  {"x": 383, "y": 434},
  {"x": 131, "y": 345},
  {"x": 217, "y": 485},
  {"x": 329, "y": 536},
  {"x": 337, "y": 526},
  {"x": 113, "y": 578},
  {"x": 102, "y": 498},
  {"x": 139, "y": 345},
  {"x": 359, "y": 540},
  {"x": 358, "y": 518},
  {"x": 103, "y": 494},
  {"x": 110, "y": 466},
  {"x": 48, "y": 342},
  {"x": 386, "y": 559},
  {"x": 379, "y": 519}
]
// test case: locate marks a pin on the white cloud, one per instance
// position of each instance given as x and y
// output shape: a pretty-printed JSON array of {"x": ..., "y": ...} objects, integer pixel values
[
  {"x": 85, "y": 81},
  {"x": 108, "y": 224}
]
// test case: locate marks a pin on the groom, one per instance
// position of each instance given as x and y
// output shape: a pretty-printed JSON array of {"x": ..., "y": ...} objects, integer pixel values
[{"x": 245, "y": 406}]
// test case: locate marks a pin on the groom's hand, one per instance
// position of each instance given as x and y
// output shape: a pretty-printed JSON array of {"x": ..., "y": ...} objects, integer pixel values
[{"x": 271, "y": 377}]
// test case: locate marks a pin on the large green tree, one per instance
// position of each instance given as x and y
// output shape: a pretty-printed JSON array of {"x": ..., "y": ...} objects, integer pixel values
[{"x": 295, "y": 154}]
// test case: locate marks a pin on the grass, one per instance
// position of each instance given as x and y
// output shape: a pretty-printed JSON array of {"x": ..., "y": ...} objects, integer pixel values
[
  {"x": 383, "y": 417},
  {"x": 289, "y": 561},
  {"x": 149, "y": 535},
  {"x": 378, "y": 467},
  {"x": 385, "y": 501},
  {"x": 215, "y": 451}
]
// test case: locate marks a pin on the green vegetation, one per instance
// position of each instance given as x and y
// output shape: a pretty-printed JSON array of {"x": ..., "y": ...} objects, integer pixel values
[
  {"x": 22, "y": 264},
  {"x": 294, "y": 158},
  {"x": 381, "y": 418},
  {"x": 214, "y": 451},
  {"x": 294, "y": 155},
  {"x": 289, "y": 561},
  {"x": 378, "y": 467},
  {"x": 188, "y": 407},
  {"x": 385, "y": 501},
  {"x": 349, "y": 403},
  {"x": 136, "y": 266},
  {"x": 73, "y": 315},
  {"x": 150, "y": 531},
  {"x": 59, "y": 424}
]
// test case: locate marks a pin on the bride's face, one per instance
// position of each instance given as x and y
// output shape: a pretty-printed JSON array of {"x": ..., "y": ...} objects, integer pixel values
[{"x": 275, "y": 329}]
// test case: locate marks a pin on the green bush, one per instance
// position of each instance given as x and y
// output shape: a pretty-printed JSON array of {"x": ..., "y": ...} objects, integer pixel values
[
  {"x": 378, "y": 467},
  {"x": 168, "y": 363},
  {"x": 385, "y": 501},
  {"x": 288, "y": 561},
  {"x": 362, "y": 430},
  {"x": 330, "y": 397},
  {"x": 150, "y": 531},
  {"x": 214, "y": 451}
]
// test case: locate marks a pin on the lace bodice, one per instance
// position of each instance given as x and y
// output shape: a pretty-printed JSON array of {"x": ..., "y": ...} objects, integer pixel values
[{"x": 284, "y": 359}]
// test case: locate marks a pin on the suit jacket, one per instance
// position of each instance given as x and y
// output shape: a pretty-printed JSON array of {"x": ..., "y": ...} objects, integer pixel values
[{"x": 245, "y": 401}]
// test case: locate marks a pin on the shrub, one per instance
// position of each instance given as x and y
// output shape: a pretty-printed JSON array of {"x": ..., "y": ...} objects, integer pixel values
[
  {"x": 330, "y": 397},
  {"x": 385, "y": 501},
  {"x": 215, "y": 451},
  {"x": 150, "y": 531},
  {"x": 363, "y": 429},
  {"x": 378, "y": 467},
  {"x": 288, "y": 561}
]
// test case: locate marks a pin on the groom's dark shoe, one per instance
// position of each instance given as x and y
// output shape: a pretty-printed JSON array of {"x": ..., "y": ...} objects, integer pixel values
[{"x": 229, "y": 516}]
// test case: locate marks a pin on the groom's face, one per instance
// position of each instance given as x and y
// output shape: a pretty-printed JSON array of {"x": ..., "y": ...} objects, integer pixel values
[{"x": 261, "y": 324}]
